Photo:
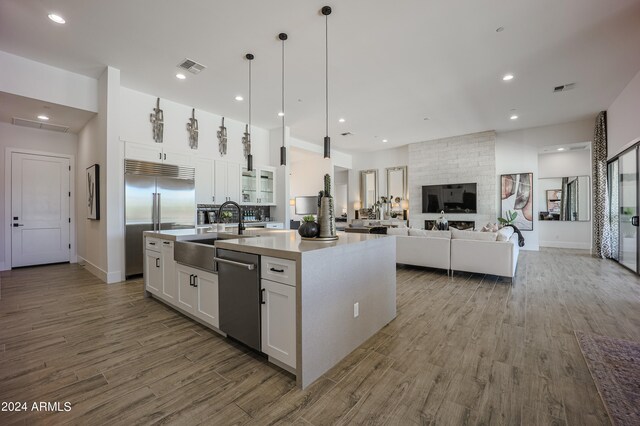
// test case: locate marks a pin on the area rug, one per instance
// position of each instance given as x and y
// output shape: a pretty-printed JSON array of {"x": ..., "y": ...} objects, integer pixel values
[{"x": 615, "y": 367}]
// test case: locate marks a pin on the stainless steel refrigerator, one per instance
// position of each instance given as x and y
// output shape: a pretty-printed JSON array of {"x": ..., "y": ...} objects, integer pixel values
[{"x": 157, "y": 197}]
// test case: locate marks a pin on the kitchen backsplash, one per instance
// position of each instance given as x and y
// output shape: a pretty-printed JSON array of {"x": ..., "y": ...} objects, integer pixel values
[{"x": 250, "y": 213}]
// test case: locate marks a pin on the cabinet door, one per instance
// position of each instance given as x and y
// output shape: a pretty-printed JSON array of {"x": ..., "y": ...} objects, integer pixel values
[
  {"x": 220, "y": 182},
  {"x": 207, "y": 306},
  {"x": 204, "y": 180},
  {"x": 279, "y": 321},
  {"x": 169, "y": 285},
  {"x": 186, "y": 291},
  {"x": 176, "y": 158},
  {"x": 153, "y": 272},
  {"x": 233, "y": 182},
  {"x": 249, "y": 184},
  {"x": 267, "y": 185},
  {"x": 138, "y": 151}
]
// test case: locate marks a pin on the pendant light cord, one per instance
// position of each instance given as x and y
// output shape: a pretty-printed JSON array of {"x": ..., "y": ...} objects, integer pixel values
[
  {"x": 326, "y": 72},
  {"x": 249, "y": 96},
  {"x": 283, "y": 115}
]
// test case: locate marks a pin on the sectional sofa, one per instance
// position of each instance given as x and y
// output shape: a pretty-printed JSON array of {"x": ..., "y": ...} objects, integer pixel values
[{"x": 494, "y": 253}]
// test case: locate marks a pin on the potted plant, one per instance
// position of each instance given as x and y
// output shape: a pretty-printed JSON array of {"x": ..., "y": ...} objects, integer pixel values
[
  {"x": 308, "y": 228},
  {"x": 226, "y": 216}
]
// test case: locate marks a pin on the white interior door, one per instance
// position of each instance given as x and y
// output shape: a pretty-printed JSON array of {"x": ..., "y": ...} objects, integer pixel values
[{"x": 40, "y": 209}]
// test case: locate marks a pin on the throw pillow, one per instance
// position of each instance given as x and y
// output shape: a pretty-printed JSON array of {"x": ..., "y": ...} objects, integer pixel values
[
  {"x": 490, "y": 227},
  {"x": 398, "y": 231},
  {"x": 473, "y": 235},
  {"x": 505, "y": 234},
  {"x": 414, "y": 232}
]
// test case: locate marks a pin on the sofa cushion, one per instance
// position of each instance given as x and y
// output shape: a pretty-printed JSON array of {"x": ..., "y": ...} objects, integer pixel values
[
  {"x": 504, "y": 234},
  {"x": 414, "y": 232},
  {"x": 473, "y": 235},
  {"x": 398, "y": 231}
]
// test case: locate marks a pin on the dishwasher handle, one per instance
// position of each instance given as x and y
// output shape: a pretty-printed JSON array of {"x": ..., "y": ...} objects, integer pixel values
[{"x": 249, "y": 266}]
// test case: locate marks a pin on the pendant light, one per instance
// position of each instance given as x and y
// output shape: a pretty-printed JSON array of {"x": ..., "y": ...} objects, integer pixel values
[
  {"x": 283, "y": 149},
  {"x": 246, "y": 140},
  {"x": 326, "y": 11}
]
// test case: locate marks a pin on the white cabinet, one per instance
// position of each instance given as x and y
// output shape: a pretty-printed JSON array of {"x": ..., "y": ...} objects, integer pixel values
[
  {"x": 204, "y": 180},
  {"x": 227, "y": 182},
  {"x": 275, "y": 225},
  {"x": 155, "y": 153},
  {"x": 198, "y": 293},
  {"x": 279, "y": 321},
  {"x": 278, "y": 287},
  {"x": 153, "y": 272},
  {"x": 169, "y": 285},
  {"x": 259, "y": 186}
]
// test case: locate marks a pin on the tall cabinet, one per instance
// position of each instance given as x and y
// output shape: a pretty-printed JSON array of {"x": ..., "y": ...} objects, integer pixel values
[{"x": 227, "y": 182}]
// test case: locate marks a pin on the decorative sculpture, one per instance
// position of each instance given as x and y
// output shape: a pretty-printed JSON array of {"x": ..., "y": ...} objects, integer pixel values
[
  {"x": 192, "y": 128},
  {"x": 222, "y": 139},
  {"x": 246, "y": 141},
  {"x": 326, "y": 214},
  {"x": 157, "y": 119}
]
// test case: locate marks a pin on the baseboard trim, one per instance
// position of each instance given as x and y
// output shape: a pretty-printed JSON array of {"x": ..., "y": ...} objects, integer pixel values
[
  {"x": 98, "y": 272},
  {"x": 565, "y": 245},
  {"x": 2, "y": 267}
]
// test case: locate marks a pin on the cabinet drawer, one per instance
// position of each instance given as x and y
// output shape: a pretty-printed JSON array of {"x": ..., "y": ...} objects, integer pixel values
[
  {"x": 153, "y": 243},
  {"x": 279, "y": 270},
  {"x": 275, "y": 225}
]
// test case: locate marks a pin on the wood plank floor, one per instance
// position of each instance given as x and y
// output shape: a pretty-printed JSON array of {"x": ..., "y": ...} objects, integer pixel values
[{"x": 471, "y": 349}]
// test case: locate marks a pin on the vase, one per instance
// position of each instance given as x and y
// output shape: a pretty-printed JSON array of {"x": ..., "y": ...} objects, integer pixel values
[
  {"x": 327, "y": 218},
  {"x": 308, "y": 230},
  {"x": 441, "y": 224}
]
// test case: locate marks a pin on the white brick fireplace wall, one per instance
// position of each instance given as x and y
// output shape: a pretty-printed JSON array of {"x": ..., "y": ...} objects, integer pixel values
[{"x": 461, "y": 159}]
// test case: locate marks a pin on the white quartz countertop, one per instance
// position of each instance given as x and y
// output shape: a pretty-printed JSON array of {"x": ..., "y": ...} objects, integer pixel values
[{"x": 266, "y": 242}]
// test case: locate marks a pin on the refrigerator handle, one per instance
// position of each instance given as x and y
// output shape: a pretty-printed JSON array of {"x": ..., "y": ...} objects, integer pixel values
[
  {"x": 159, "y": 214},
  {"x": 153, "y": 211}
]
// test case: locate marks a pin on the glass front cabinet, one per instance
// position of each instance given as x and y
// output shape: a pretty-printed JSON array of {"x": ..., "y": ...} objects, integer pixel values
[{"x": 259, "y": 186}]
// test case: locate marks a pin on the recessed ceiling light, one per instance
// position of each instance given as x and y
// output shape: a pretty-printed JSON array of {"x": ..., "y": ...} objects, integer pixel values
[
  {"x": 341, "y": 120},
  {"x": 514, "y": 117},
  {"x": 239, "y": 98},
  {"x": 499, "y": 29},
  {"x": 560, "y": 149},
  {"x": 281, "y": 114},
  {"x": 507, "y": 77},
  {"x": 180, "y": 76},
  {"x": 43, "y": 117},
  {"x": 384, "y": 141},
  {"x": 56, "y": 18}
]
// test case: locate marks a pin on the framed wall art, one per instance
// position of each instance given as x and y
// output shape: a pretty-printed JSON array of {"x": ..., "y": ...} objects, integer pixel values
[
  {"x": 516, "y": 194},
  {"x": 93, "y": 192}
]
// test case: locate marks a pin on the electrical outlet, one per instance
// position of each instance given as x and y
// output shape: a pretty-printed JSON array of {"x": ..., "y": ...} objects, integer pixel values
[{"x": 356, "y": 309}]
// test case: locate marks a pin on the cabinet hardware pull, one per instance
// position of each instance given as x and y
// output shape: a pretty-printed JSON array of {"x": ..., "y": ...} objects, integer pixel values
[
  {"x": 157, "y": 262},
  {"x": 165, "y": 156},
  {"x": 195, "y": 284},
  {"x": 276, "y": 270},
  {"x": 191, "y": 280},
  {"x": 152, "y": 244},
  {"x": 262, "y": 301},
  {"x": 166, "y": 242},
  {"x": 160, "y": 156}
]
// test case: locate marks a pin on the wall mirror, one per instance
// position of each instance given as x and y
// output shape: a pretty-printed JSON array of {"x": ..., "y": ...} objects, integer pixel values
[
  {"x": 397, "y": 182},
  {"x": 565, "y": 198},
  {"x": 368, "y": 188}
]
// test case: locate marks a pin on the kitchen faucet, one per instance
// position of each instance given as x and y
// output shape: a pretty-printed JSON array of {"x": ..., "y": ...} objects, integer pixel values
[{"x": 240, "y": 222}]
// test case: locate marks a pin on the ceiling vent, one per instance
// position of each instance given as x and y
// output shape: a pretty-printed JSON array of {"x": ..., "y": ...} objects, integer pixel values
[
  {"x": 346, "y": 134},
  {"x": 192, "y": 66},
  {"x": 564, "y": 87},
  {"x": 39, "y": 125}
]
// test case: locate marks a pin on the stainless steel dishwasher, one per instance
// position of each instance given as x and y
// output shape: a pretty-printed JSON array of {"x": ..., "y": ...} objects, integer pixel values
[{"x": 239, "y": 295}]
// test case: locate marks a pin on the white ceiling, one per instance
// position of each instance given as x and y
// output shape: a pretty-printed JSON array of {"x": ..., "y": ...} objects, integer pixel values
[
  {"x": 13, "y": 106},
  {"x": 391, "y": 63}
]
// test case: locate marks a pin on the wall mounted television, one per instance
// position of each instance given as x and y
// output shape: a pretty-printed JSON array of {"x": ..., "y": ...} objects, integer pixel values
[
  {"x": 307, "y": 205},
  {"x": 451, "y": 198}
]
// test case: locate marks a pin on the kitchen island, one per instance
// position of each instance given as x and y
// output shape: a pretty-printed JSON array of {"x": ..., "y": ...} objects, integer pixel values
[{"x": 321, "y": 299}]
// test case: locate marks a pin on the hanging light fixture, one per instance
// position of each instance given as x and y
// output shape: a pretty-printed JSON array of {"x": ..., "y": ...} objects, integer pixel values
[
  {"x": 246, "y": 139},
  {"x": 326, "y": 11},
  {"x": 283, "y": 149}
]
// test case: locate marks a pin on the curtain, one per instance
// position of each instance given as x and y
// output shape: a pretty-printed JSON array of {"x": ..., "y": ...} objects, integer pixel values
[
  {"x": 564, "y": 199},
  {"x": 601, "y": 223}
]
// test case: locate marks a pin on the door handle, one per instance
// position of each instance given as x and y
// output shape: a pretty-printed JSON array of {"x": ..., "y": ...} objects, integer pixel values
[
  {"x": 262, "y": 301},
  {"x": 249, "y": 266},
  {"x": 15, "y": 225},
  {"x": 159, "y": 214},
  {"x": 634, "y": 220},
  {"x": 154, "y": 207}
]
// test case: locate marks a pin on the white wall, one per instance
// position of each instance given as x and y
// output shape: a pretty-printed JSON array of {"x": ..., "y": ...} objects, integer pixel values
[
  {"x": 341, "y": 193},
  {"x": 623, "y": 123},
  {"x": 557, "y": 165},
  {"x": 35, "y": 140},
  {"x": 307, "y": 174},
  {"x": 517, "y": 152},
  {"x": 31, "y": 79}
]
